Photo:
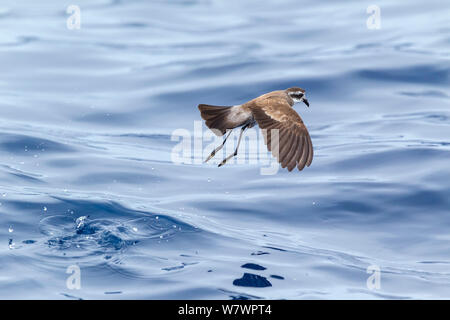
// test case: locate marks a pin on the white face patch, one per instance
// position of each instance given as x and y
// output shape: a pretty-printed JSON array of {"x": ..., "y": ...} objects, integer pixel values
[{"x": 294, "y": 95}]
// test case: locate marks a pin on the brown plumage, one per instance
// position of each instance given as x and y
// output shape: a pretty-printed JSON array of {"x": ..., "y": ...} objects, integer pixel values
[
  {"x": 215, "y": 118},
  {"x": 274, "y": 113}
]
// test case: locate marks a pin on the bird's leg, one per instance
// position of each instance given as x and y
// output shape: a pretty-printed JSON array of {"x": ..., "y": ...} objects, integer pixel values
[
  {"x": 235, "y": 151},
  {"x": 213, "y": 153}
]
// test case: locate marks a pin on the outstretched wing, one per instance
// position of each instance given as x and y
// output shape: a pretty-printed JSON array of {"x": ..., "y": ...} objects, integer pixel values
[{"x": 292, "y": 147}]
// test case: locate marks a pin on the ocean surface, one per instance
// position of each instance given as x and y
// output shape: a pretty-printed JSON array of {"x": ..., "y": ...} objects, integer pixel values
[{"x": 94, "y": 205}]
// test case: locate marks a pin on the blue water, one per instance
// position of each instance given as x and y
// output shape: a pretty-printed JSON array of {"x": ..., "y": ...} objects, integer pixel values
[{"x": 86, "y": 176}]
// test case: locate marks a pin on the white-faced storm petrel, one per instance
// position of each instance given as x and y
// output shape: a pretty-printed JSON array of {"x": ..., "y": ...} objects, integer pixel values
[{"x": 285, "y": 134}]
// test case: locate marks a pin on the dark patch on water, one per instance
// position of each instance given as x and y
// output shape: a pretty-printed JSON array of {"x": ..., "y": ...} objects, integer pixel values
[
  {"x": 253, "y": 266},
  {"x": 27, "y": 145},
  {"x": 252, "y": 280},
  {"x": 274, "y": 248},
  {"x": 428, "y": 93},
  {"x": 173, "y": 268},
  {"x": 240, "y": 297},
  {"x": 71, "y": 296},
  {"x": 259, "y": 253},
  {"x": 414, "y": 74}
]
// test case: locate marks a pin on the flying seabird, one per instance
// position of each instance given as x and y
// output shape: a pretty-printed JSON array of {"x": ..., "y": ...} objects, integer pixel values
[{"x": 285, "y": 134}]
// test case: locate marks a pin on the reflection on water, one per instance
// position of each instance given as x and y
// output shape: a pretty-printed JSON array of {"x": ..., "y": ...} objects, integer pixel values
[{"x": 86, "y": 118}]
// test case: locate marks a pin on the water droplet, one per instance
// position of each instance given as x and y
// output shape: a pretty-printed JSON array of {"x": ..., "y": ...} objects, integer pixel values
[
  {"x": 135, "y": 229},
  {"x": 80, "y": 222},
  {"x": 209, "y": 180},
  {"x": 10, "y": 229},
  {"x": 45, "y": 208}
]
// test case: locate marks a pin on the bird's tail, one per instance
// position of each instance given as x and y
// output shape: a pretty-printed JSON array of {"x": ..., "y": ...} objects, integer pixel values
[{"x": 216, "y": 118}]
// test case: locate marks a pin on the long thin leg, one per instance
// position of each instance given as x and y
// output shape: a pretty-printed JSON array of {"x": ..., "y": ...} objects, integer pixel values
[
  {"x": 213, "y": 153},
  {"x": 235, "y": 151}
]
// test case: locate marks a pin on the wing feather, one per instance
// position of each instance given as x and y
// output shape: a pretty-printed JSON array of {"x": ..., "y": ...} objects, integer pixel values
[
  {"x": 299, "y": 150},
  {"x": 288, "y": 158},
  {"x": 304, "y": 157},
  {"x": 294, "y": 144},
  {"x": 285, "y": 147},
  {"x": 311, "y": 153}
]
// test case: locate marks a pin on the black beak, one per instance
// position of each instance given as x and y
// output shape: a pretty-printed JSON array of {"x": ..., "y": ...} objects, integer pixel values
[{"x": 306, "y": 102}]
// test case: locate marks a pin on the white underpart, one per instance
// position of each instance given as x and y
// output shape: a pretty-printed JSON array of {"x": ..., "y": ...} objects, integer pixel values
[{"x": 237, "y": 114}]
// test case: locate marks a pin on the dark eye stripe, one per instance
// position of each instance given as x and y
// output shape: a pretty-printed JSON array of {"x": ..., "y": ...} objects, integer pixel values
[{"x": 297, "y": 95}]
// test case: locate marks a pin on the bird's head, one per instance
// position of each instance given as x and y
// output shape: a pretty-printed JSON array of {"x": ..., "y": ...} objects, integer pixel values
[{"x": 297, "y": 94}]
